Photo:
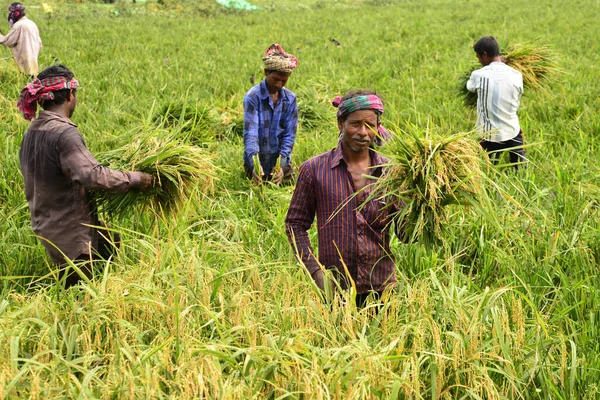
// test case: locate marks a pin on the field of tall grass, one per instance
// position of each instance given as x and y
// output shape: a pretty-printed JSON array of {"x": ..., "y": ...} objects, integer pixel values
[{"x": 210, "y": 302}]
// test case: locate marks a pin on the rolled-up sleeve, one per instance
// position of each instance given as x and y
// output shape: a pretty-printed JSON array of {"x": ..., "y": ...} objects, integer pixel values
[
  {"x": 11, "y": 39},
  {"x": 300, "y": 217},
  {"x": 473, "y": 83},
  {"x": 81, "y": 166}
]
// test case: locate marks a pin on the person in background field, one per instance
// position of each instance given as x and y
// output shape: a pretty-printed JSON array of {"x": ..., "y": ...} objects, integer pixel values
[
  {"x": 58, "y": 172},
  {"x": 499, "y": 89},
  {"x": 271, "y": 120},
  {"x": 23, "y": 38},
  {"x": 331, "y": 187}
]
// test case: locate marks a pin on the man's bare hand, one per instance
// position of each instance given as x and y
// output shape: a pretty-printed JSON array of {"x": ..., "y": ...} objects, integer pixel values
[
  {"x": 146, "y": 181},
  {"x": 319, "y": 279},
  {"x": 278, "y": 177},
  {"x": 257, "y": 179}
]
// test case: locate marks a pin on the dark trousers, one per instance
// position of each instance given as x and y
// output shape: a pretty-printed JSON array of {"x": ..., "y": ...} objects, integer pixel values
[
  {"x": 516, "y": 155},
  {"x": 361, "y": 299},
  {"x": 108, "y": 243}
]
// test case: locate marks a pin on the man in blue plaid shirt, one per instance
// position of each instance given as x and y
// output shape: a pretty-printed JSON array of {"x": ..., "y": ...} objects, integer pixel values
[{"x": 271, "y": 120}]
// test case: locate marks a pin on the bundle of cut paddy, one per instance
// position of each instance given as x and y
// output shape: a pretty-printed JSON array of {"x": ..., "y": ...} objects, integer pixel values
[
  {"x": 178, "y": 170},
  {"x": 536, "y": 62},
  {"x": 424, "y": 176}
]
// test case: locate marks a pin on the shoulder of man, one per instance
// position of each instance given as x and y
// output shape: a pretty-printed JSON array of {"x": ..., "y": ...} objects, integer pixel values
[
  {"x": 513, "y": 70},
  {"x": 289, "y": 94},
  {"x": 318, "y": 160}
]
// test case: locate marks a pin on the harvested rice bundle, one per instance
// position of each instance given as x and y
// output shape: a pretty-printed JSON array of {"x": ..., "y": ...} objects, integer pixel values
[
  {"x": 178, "y": 170},
  {"x": 536, "y": 62},
  {"x": 427, "y": 174}
]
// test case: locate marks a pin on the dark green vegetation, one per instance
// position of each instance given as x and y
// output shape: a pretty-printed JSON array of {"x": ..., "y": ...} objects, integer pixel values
[{"x": 212, "y": 303}]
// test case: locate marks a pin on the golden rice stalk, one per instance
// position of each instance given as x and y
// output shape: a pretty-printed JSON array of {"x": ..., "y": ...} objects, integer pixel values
[
  {"x": 178, "y": 169},
  {"x": 537, "y": 63},
  {"x": 277, "y": 166},
  {"x": 424, "y": 176}
]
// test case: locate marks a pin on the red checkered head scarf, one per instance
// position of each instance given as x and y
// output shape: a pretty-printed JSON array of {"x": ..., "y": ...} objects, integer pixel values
[
  {"x": 276, "y": 59},
  {"x": 16, "y": 11},
  {"x": 39, "y": 91},
  {"x": 363, "y": 102}
]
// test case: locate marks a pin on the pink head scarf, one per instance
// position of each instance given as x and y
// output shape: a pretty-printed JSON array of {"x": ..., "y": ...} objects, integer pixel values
[{"x": 38, "y": 91}]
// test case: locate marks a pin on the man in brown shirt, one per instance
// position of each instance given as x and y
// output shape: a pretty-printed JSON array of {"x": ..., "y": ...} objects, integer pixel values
[{"x": 59, "y": 171}]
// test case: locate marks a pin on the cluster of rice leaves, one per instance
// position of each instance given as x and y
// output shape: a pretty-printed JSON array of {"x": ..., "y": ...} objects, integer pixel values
[
  {"x": 538, "y": 64},
  {"x": 426, "y": 175},
  {"x": 314, "y": 109},
  {"x": 192, "y": 119},
  {"x": 179, "y": 169}
]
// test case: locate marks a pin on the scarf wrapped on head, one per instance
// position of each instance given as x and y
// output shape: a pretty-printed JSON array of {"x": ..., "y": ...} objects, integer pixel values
[
  {"x": 38, "y": 91},
  {"x": 276, "y": 59},
  {"x": 16, "y": 11},
  {"x": 363, "y": 102}
]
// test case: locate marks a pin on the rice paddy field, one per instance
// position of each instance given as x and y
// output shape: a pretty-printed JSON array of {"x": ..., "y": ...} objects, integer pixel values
[{"x": 208, "y": 301}]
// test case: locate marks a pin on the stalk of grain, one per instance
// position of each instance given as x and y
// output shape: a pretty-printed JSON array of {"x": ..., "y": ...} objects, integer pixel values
[
  {"x": 277, "y": 166},
  {"x": 256, "y": 162},
  {"x": 426, "y": 175},
  {"x": 178, "y": 170}
]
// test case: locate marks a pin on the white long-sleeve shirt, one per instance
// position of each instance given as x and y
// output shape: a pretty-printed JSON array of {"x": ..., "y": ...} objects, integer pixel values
[
  {"x": 499, "y": 89},
  {"x": 24, "y": 39}
]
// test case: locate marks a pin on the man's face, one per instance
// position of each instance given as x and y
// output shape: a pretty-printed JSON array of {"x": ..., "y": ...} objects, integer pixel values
[
  {"x": 276, "y": 80},
  {"x": 359, "y": 129},
  {"x": 483, "y": 59},
  {"x": 72, "y": 102}
]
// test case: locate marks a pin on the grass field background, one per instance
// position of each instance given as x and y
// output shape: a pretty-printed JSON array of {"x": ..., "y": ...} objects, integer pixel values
[{"x": 212, "y": 303}]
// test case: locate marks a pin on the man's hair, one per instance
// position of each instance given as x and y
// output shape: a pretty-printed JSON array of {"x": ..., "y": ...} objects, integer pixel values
[
  {"x": 356, "y": 93},
  {"x": 60, "y": 96},
  {"x": 269, "y": 71},
  {"x": 488, "y": 45}
]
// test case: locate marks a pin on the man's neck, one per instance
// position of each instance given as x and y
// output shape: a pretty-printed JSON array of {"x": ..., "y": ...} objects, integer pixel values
[
  {"x": 60, "y": 110},
  {"x": 353, "y": 157}
]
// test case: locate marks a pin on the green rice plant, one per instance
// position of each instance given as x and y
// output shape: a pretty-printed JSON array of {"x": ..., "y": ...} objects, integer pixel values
[
  {"x": 538, "y": 64},
  {"x": 256, "y": 165},
  {"x": 469, "y": 98},
  {"x": 193, "y": 119},
  {"x": 313, "y": 110},
  {"x": 427, "y": 174},
  {"x": 178, "y": 170},
  {"x": 277, "y": 166}
]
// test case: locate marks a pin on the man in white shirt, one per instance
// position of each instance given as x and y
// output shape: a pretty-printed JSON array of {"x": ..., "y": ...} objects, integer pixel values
[
  {"x": 23, "y": 38},
  {"x": 499, "y": 89}
]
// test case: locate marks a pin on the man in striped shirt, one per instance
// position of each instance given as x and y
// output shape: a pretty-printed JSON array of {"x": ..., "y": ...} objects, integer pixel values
[
  {"x": 353, "y": 239},
  {"x": 499, "y": 89}
]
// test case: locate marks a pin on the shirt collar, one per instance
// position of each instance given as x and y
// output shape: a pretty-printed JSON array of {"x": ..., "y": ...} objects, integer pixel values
[
  {"x": 50, "y": 116},
  {"x": 264, "y": 91}
]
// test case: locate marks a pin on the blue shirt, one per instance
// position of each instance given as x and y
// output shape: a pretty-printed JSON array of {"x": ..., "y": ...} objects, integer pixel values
[{"x": 269, "y": 130}]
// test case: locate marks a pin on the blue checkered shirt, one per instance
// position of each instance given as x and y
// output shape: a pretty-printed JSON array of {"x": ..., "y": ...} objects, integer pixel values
[{"x": 269, "y": 131}]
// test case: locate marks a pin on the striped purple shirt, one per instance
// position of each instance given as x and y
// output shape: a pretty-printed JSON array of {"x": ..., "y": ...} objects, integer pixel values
[{"x": 358, "y": 236}]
